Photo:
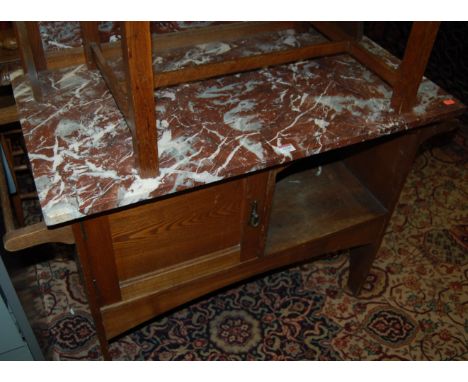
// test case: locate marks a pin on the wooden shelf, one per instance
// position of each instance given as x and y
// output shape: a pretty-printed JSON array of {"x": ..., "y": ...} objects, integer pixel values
[{"x": 316, "y": 203}]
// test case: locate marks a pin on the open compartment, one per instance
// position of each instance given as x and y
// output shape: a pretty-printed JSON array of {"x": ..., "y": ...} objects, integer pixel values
[{"x": 318, "y": 199}]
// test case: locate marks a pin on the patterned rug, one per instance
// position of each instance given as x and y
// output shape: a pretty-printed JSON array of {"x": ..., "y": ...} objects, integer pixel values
[{"x": 414, "y": 305}]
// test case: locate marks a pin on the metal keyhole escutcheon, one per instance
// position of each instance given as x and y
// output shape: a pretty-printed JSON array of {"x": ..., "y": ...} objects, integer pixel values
[{"x": 254, "y": 220}]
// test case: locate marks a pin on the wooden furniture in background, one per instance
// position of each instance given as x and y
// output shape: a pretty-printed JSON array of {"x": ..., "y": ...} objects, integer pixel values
[
  {"x": 8, "y": 46},
  {"x": 18, "y": 236}
]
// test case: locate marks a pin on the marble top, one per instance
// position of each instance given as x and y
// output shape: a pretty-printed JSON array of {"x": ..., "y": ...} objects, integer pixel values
[{"x": 81, "y": 152}]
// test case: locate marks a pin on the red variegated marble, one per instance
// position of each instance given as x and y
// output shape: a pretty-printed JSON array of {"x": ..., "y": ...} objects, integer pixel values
[{"x": 80, "y": 147}]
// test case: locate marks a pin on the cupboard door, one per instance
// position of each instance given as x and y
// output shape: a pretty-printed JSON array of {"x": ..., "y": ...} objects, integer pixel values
[
  {"x": 136, "y": 256},
  {"x": 258, "y": 196},
  {"x": 177, "y": 230}
]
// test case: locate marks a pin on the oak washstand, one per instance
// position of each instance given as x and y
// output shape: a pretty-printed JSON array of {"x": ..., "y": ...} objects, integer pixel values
[{"x": 253, "y": 170}]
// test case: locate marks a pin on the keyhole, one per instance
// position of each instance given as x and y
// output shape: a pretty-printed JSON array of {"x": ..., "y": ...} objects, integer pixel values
[{"x": 254, "y": 216}]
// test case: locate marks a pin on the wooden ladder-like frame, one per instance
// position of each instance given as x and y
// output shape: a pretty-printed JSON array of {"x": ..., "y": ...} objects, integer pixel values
[{"x": 135, "y": 95}]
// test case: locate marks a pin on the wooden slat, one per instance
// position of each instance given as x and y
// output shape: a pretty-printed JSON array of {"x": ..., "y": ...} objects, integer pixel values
[
  {"x": 75, "y": 56},
  {"x": 18, "y": 152},
  {"x": 5, "y": 201},
  {"x": 161, "y": 43},
  {"x": 116, "y": 87},
  {"x": 247, "y": 63},
  {"x": 64, "y": 58},
  {"x": 7, "y": 54},
  {"x": 28, "y": 195},
  {"x": 8, "y": 114},
  {"x": 12, "y": 132},
  {"x": 138, "y": 63},
  {"x": 35, "y": 234},
  {"x": 21, "y": 167},
  {"x": 90, "y": 35},
  {"x": 411, "y": 71},
  {"x": 8, "y": 45},
  {"x": 181, "y": 273},
  {"x": 27, "y": 57}
]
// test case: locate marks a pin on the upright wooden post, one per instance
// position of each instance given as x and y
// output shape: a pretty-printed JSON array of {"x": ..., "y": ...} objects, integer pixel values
[
  {"x": 32, "y": 53},
  {"x": 137, "y": 57},
  {"x": 411, "y": 70},
  {"x": 35, "y": 42},
  {"x": 89, "y": 34},
  {"x": 85, "y": 268}
]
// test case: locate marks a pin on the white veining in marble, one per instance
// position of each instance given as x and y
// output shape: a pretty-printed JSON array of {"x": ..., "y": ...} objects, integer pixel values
[{"x": 81, "y": 151}]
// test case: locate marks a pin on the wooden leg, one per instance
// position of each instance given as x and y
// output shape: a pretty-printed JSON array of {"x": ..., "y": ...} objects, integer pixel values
[
  {"x": 89, "y": 282},
  {"x": 411, "y": 70},
  {"x": 360, "y": 263},
  {"x": 35, "y": 41},
  {"x": 138, "y": 64},
  {"x": 29, "y": 56},
  {"x": 103, "y": 345},
  {"x": 385, "y": 175},
  {"x": 89, "y": 34}
]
